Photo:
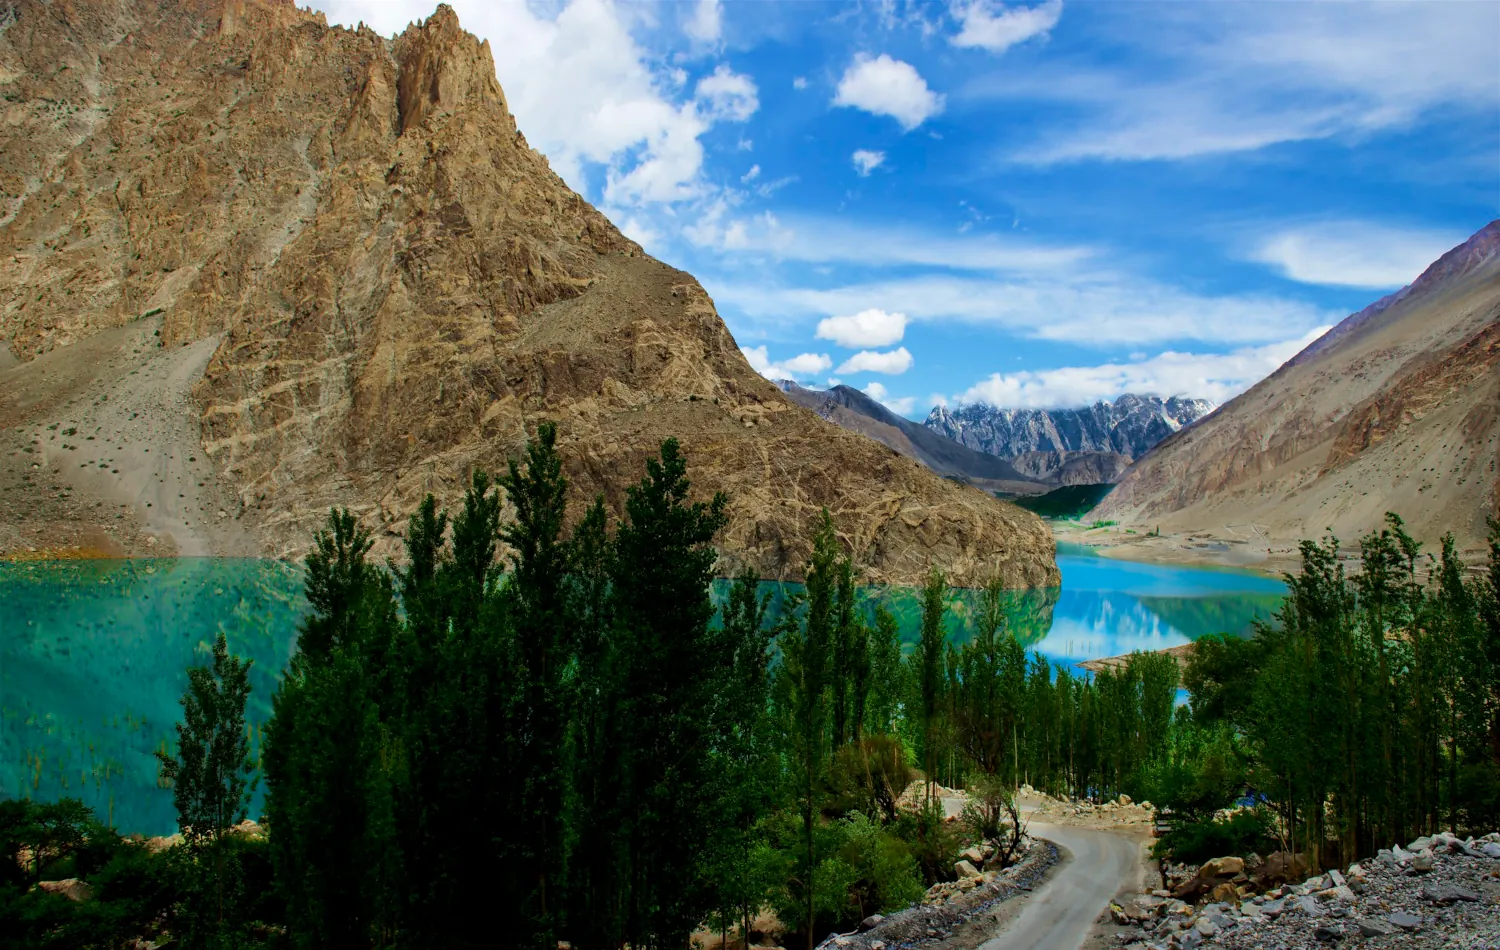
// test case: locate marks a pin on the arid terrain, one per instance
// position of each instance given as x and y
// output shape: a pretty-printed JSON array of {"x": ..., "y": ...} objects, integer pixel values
[
  {"x": 313, "y": 266},
  {"x": 1395, "y": 409}
]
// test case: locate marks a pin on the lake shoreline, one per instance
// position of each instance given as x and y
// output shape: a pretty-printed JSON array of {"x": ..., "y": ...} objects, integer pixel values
[{"x": 1200, "y": 549}]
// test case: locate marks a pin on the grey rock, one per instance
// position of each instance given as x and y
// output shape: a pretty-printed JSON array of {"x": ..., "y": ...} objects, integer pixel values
[
  {"x": 1492, "y": 850},
  {"x": 1206, "y": 927},
  {"x": 1374, "y": 928},
  {"x": 871, "y": 922},
  {"x": 1273, "y": 908},
  {"x": 1327, "y": 934},
  {"x": 1448, "y": 894},
  {"x": 1404, "y": 921},
  {"x": 1423, "y": 862},
  {"x": 1309, "y": 906},
  {"x": 1421, "y": 844}
]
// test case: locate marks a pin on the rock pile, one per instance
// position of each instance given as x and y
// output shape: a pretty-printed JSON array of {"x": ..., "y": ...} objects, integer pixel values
[
  {"x": 960, "y": 902},
  {"x": 1439, "y": 891},
  {"x": 1082, "y": 811}
]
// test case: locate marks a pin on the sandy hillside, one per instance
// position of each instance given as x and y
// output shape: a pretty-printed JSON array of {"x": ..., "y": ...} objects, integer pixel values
[{"x": 1396, "y": 409}]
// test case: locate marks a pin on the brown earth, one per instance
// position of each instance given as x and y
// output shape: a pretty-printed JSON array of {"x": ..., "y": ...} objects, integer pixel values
[
  {"x": 1396, "y": 409},
  {"x": 367, "y": 285}
]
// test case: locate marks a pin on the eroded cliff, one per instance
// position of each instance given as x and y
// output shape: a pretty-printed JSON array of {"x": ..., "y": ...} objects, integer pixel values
[{"x": 396, "y": 290}]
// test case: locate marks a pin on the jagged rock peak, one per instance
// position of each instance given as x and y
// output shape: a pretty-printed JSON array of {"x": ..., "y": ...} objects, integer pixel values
[
  {"x": 442, "y": 67},
  {"x": 1129, "y": 425}
]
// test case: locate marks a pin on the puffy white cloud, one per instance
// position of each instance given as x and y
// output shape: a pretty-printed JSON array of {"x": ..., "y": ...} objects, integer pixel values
[
  {"x": 890, "y": 363},
  {"x": 728, "y": 95},
  {"x": 1215, "y": 376},
  {"x": 900, "y": 405},
  {"x": 881, "y": 85},
  {"x": 872, "y": 327},
  {"x": 866, "y": 161},
  {"x": 802, "y": 366},
  {"x": 706, "y": 25},
  {"x": 991, "y": 26},
  {"x": 1354, "y": 254},
  {"x": 585, "y": 92},
  {"x": 799, "y": 83}
]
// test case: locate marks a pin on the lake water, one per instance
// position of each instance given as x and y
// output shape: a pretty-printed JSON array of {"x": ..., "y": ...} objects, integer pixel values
[{"x": 93, "y": 653}]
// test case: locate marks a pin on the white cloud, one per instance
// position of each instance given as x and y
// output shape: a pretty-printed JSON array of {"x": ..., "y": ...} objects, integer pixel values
[
  {"x": 584, "y": 91},
  {"x": 1201, "y": 79},
  {"x": 706, "y": 25},
  {"x": 829, "y": 240},
  {"x": 1088, "y": 309},
  {"x": 1353, "y": 254},
  {"x": 988, "y": 25},
  {"x": 1214, "y": 376},
  {"x": 802, "y": 366},
  {"x": 866, "y": 161},
  {"x": 900, "y": 405},
  {"x": 799, "y": 83},
  {"x": 750, "y": 175},
  {"x": 885, "y": 86},
  {"x": 728, "y": 95},
  {"x": 872, "y": 327},
  {"x": 890, "y": 363}
]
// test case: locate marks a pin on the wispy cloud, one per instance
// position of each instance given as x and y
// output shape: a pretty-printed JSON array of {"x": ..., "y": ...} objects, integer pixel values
[
  {"x": 1200, "y": 79},
  {"x": 1353, "y": 254},
  {"x": 1215, "y": 376},
  {"x": 829, "y": 240},
  {"x": 1087, "y": 310}
]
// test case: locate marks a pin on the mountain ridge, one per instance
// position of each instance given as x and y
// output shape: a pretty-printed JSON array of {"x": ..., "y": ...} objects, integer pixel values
[
  {"x": 1128, "y": 425},
  {"x": 395, "y": 289},
  {"x": 1394, "y": 409}
]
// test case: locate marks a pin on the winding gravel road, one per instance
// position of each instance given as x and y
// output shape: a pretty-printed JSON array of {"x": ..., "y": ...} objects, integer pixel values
[{"x": 1061, "y": 913}]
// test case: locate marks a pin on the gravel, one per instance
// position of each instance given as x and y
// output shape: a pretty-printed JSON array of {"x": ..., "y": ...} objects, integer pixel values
[{"x": 1439, "y": 892}]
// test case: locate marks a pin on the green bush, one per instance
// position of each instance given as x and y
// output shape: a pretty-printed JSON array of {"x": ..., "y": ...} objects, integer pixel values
[{"x": 1241, "y": 833}]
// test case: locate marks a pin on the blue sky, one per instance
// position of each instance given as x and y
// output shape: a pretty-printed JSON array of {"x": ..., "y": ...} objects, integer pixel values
[{"x": 1027, "y": 204}]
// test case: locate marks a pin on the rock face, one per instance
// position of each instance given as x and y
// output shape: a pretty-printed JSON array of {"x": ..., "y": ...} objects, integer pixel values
[
  {"x": 1125, "y": 428},
  {"x": 401, "y": 290},
  {"x": 1395, "y": 409}
]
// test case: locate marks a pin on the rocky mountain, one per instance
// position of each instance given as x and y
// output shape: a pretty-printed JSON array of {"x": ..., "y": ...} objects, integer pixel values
[
  {"x": 1127, "y": 426},
  {"x": 256, "y": 266},
  {"x": 851, "y": 409},
  {"x": 1395, "y": 409}
]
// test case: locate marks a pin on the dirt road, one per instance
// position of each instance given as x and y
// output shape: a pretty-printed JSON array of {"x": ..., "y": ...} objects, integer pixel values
[{"x": 1059, "y": 916}]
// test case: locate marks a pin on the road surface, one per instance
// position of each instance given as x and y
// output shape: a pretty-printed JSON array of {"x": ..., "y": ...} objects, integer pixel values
[{"x": 1059, "y": 915}]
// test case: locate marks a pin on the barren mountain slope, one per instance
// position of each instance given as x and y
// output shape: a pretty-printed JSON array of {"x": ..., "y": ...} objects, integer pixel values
[
  {"x": 1396, "y": 409},
  {"x": 402, "y": 289}
]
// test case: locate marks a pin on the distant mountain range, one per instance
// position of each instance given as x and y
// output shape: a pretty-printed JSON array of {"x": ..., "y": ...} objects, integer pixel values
[
  {"x": 857, "y": 412},
  {"x": 1395, "y": 409},
  {"x": 1007, "y": 450},
  {"x": 1128, "y": 426}
]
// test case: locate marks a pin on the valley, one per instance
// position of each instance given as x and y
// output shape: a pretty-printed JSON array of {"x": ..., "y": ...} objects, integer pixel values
[{"x": 724, "y": 476}]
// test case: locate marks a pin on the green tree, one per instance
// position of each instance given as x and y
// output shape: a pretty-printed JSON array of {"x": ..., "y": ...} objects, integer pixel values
[{"x": 210, "y": 773}]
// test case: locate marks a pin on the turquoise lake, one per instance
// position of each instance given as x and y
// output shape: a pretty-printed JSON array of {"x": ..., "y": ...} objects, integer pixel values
[{"x": 93, "y": 653}]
